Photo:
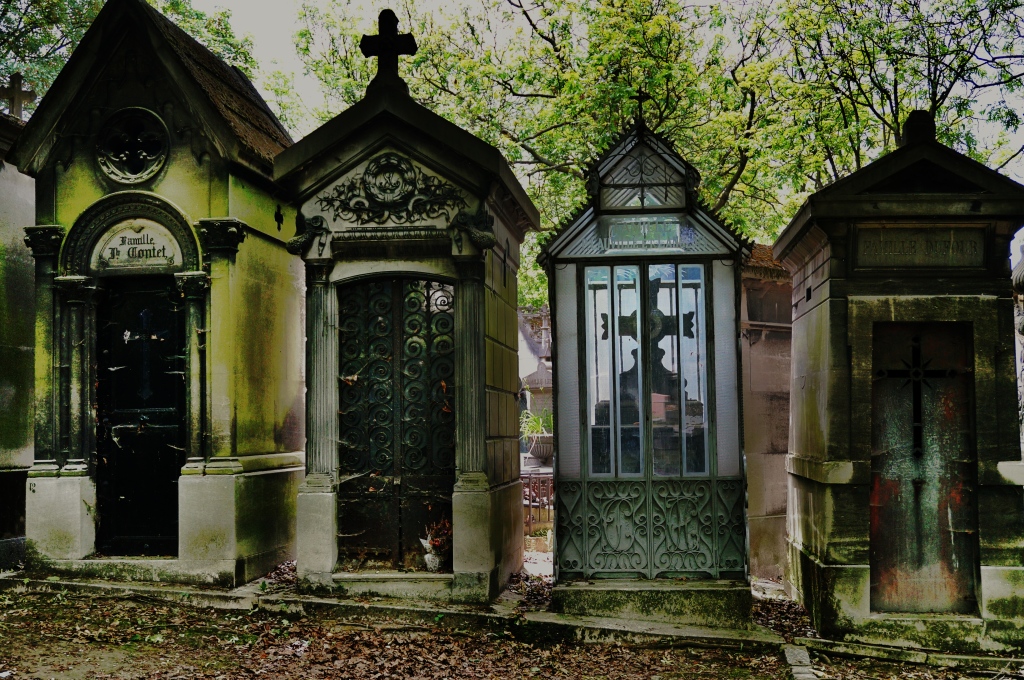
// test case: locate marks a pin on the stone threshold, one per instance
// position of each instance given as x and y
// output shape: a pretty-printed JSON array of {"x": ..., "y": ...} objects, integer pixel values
[
  {"x": 500, "y": 616},
  {"x": 903, "y": 654}
]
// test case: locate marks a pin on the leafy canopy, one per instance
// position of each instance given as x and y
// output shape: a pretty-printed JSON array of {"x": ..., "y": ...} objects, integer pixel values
[{"x": 770, "y": 101}]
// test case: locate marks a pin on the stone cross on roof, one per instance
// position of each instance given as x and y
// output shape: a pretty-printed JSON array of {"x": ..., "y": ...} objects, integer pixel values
[
  {"x": 15, "y": 96},
  {"x": 387, "y": 45}
]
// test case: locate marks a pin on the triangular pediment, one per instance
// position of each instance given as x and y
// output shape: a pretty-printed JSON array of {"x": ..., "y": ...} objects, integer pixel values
[
  {"x": 643, "y": 202},
  {"x": 389, "y": 185},
  {"x": 925, "y": 177},
  {"x": 389, "y": 116}
]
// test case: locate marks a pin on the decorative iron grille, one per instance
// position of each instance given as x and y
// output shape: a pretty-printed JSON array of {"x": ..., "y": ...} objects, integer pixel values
[{"x": 397, "y": 418}]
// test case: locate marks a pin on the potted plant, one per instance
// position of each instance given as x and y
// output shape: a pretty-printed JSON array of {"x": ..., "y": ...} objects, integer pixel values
[{"x": 536, "y": 429}]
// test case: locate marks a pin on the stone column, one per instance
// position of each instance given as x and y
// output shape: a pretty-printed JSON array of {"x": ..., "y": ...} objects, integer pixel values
[
  {"x": 77, "y": 292},
  {"x": 45, "y": 241},
  {"x": 317, "y": 513},
  {"x": 60, "y": 505},
  {"x": 220, "y": 239},
  {"x": 193, "y": 287},
  {"x": 470, "y": 369},
  {"x": 321, "y": 371},
  {"x": 473, "y": 536}
]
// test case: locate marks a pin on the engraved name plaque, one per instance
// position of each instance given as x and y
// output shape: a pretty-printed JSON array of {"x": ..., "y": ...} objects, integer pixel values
[
  {"x": 938, "y": 247},
  {"x": 136, "y": 246}
]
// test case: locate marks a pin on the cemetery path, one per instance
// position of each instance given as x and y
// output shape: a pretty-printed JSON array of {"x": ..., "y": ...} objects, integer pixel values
[{"x": 81, "y": 636}]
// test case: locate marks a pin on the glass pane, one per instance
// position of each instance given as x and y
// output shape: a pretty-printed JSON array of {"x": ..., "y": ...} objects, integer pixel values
[
  {"x": 692, "y": 358},
  {"x": 627, "y": 364},
  {"x": 664, "y": 349},
  {"x": 598, "y": 362}
]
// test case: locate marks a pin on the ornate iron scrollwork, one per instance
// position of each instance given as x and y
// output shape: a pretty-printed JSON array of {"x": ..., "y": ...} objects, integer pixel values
[
  {"x": 398, "y": 377},
  {"x": 132, "y": 146},
  {"x": 391, "y": 188}
]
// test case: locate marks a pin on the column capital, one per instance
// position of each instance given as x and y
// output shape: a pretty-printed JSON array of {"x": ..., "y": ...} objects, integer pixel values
[
  {"x": 220, "y": 234},
  {"x": 44, "y": 240},
  {"x": 318, "y": 272},
  {"x": 192, "y": 285},
  {"x": 76, "y": 289}
]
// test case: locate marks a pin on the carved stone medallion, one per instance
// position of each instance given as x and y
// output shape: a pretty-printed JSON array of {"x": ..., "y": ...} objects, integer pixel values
[
  {"x": 391, "y": 189},
  {"x": 132, "y": 146}
]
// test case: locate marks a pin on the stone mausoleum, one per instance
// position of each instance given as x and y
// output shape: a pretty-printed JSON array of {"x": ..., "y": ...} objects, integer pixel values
[
  {"x": 168, "y": 331},
  {"x": 17, "y": 335},
  {"x": 649, "y": 467},
  {"x": 905, "y": 503},
  {"x": 410, "y": 234}
]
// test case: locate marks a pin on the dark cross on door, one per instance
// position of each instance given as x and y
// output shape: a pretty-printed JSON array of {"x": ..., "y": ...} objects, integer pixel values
[
  {"x": 15, "y": 96},
  {"x": 145, "y": 391},
  {"x": 387, "y": 45},
  {"x": 916, "y": 374}
]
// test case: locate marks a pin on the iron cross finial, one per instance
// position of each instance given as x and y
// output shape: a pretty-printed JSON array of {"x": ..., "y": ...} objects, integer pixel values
[
  {"x": 387, "y": 45},
  {"x": 15, "y": 96},
  {"x": 640, "y": 97}
]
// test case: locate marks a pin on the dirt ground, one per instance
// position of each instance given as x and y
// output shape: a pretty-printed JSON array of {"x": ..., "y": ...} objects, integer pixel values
[{"x": 89, "y": 636}]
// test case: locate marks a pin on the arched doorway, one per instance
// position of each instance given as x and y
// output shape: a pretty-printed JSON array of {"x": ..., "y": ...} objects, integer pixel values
[{"x": 130, "y": 371}]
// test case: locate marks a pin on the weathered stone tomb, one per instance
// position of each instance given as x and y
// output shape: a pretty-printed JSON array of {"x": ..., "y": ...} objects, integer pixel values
[
  {"x": 17, "y": 317},
  {"x": 905, "y": 512},
  {"x": 410, "y": 235},
  {"x": 168, "y": 340},
  {"x": 649, "y": 468}
]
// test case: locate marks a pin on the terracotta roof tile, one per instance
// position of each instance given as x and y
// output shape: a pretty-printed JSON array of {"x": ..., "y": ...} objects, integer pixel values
[{"x": 230, "y": 91}]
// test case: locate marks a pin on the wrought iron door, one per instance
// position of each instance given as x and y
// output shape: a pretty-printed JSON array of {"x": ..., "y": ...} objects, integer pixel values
[
  {"x": 924, "y": 543},
  {"x": 140, "y": 431},
  {"x": 397, "y": 419}
]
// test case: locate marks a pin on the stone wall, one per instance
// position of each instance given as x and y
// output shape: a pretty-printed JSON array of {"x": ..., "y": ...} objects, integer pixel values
[{"x": 17, "y": 338}]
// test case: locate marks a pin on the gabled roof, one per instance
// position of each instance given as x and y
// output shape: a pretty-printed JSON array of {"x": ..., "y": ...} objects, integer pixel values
[
  {"x": 235, "y": 114},
  {"x": 920, "y": 179},
  {"x": 639, "y": 134},
  {"x": 312, "y": 161}
]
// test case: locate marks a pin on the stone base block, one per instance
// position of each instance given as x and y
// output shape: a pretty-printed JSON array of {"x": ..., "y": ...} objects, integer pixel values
[
  {"x": 488, "y": 539},
  {"x": 60, "y": 517},
  {"x": 838, "y": 598},
  {"x": 246, "y": 519},
  {"x": 710, "y": 604},
  {"x": 317, "y": 539}
]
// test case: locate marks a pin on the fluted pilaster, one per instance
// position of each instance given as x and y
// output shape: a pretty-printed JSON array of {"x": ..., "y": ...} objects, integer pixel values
[
  {"x": 470, "y": 369},
  {"x": 321, "y": 370}
]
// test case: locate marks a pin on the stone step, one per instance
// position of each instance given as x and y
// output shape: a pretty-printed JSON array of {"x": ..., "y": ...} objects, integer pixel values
[
  {"x": 412, "y": 585},
  {"x": 713, "y": 604}
]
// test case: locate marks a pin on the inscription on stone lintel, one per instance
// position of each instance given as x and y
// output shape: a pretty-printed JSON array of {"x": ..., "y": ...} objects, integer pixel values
[
  {"x": 136, "y": 244},
  {"x": 921, "y": 247}
]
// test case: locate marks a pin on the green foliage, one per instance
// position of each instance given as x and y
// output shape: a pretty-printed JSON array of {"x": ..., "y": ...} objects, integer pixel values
[
  {"x": 38, "y": 36},
  {"x": 770, "y": 101},
  {"x": 536, "y": 423}
]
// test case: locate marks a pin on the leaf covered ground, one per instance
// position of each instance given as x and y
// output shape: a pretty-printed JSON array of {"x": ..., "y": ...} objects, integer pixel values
[{"x": 86, "y": 636}]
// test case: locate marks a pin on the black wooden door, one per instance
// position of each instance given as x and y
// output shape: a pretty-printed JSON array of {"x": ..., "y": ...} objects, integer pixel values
[
  {"x": 924, "y": 543},
  {"x": 140, "y": 433},
  {"x": 397, "y": 419}
]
